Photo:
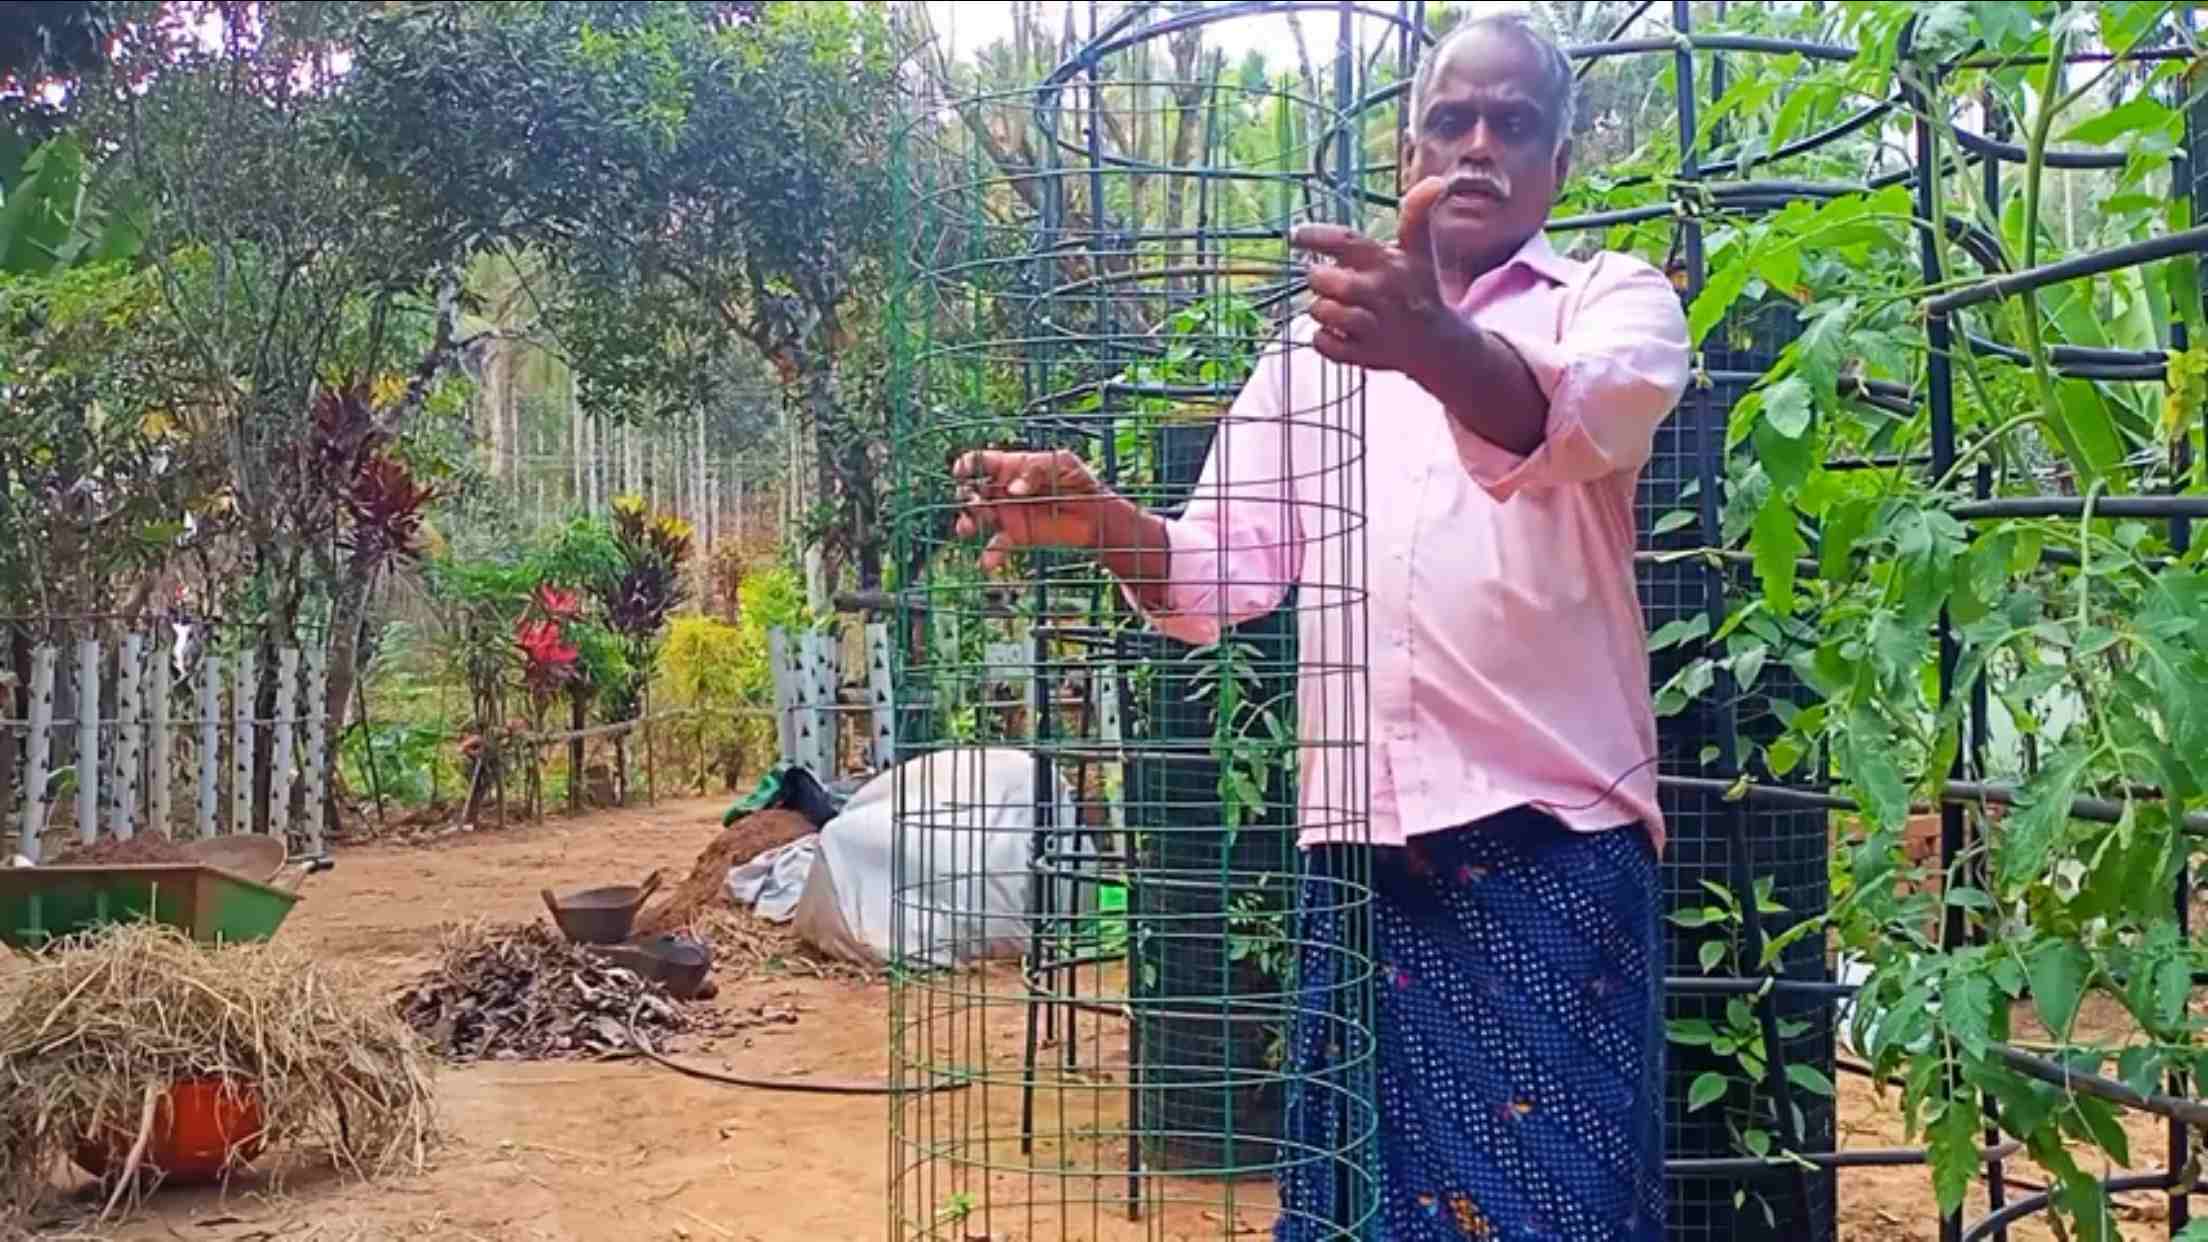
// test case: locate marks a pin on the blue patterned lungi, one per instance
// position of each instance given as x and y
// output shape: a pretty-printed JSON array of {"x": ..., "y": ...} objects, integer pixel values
[{"x": 1519, "y": 1061}]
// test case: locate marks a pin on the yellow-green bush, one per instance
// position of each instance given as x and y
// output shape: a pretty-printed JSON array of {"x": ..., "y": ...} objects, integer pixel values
[{"x": 724, "y": 673}]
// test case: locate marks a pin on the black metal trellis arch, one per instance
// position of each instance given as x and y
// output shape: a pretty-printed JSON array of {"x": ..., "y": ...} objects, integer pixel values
[
  {"x": 1733, "y": 792},
  {"x": 1731, "y": 809}
]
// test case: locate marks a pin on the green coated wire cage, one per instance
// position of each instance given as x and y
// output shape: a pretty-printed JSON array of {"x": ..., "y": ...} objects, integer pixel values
[{"x": 1106, "y": 936}]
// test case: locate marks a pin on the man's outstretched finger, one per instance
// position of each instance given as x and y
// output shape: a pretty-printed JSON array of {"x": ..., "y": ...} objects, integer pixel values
[
  {"x": 1340, "y": 284},
  {"x": 1411, "y": 230},
  {"x": 1345, "y": 246},
  {"x": 1345, "y": 321}
]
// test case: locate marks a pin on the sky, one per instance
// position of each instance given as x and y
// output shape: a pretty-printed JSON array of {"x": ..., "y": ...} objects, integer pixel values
[{"x": 970, "y": 24}]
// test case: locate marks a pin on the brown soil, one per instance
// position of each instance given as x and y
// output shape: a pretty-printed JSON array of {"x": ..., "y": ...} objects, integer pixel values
[
  {"x": 568, "y": 1152},
  {"x": 705, "y": 889},
  {"x": 138, "y": 851}
]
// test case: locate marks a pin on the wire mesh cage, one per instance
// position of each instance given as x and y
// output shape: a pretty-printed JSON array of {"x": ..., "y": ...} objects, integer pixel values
[{"x": 1117, "y": 973}]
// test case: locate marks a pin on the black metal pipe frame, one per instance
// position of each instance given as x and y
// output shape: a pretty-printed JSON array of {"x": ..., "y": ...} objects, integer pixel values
[{"x": 1710, "y": 460}]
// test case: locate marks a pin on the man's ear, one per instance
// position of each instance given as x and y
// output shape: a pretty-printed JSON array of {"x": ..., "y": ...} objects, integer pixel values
[{"x": 1563, "y": 161}]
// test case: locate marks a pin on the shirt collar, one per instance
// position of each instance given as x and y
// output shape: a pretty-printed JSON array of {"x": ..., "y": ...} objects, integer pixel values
[{"x": 1538, "y": 255}]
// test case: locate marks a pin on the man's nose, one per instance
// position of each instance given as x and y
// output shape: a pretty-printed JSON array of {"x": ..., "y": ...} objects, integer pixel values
[{"x": 1479, "y": 144}]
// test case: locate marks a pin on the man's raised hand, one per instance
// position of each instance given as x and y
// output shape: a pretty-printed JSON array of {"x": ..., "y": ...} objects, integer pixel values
[
  {"x": 1027, "y": 500},
  {"x": 1379, "y": 305}
]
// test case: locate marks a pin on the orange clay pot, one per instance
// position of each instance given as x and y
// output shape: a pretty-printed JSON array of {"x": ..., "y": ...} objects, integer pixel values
[{"x": 202, "y": 1130}]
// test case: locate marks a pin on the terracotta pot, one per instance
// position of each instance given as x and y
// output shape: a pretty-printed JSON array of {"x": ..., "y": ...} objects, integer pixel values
[{"x": 202, "y": 1130}]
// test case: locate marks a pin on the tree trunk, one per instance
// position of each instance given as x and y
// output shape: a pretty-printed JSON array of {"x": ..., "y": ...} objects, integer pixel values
[
  {"x": 1188, "y": 98},
  {"x": 576, "y": 716},
  {"x": 17, "y": 705},
  {"x": 348, "y": 624},
  {"x": 496, "y": 381},
  {"x": 817, "y": 378},
  {"x": 574, "y": 444}
]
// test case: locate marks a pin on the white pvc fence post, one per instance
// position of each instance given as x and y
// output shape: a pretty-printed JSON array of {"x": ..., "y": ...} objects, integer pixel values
[
  {"x": 209, "y": 721},
  {"x": 88, "y": 740},
  {"x": 883, "y": 695},
  {"x": 318, "y": 738},
  {"x": 36, "y": 797},
  {"x": 784, "y": 669},
  {"x": 816, "y": 679},
  {"x": 160, "y": 682},
  {"x": 130, "y": 734},
  {"x": 281, "y": 759},
  {"x": 242, "y": 696}
]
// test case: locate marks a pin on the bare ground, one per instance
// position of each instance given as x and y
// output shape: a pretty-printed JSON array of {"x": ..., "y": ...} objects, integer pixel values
[{"x": 628, "y": 1150}]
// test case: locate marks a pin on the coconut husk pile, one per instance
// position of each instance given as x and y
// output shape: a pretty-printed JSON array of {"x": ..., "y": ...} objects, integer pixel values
[
  {"x": 525, "y": 994},
  {"x": 706, "y": 887},
  {"x": 98, "y": 1026},
  {"x": 743, "y": 944}
]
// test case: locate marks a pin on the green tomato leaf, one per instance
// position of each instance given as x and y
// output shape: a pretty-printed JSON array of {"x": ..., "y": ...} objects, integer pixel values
[
  {"x": 1719, "y": 292},
  {"x": 1967, "y": 1010},
  {"x": 1778, "y": 544},
  {"x": 1843, "y": 527},
  {"x": 1788, "y": 460},
  {"x": 2100, "y": 1120},
  {"x": 1954, "y": 1153},
  {"x": 1786, "y": 406},
  {"x": 2142, "y": 113},
  {"x": 1707, "y": 1090},
  {"x": 2028, "y": 835},
  {"x": 2058, "y": 970},
  {"x": 1809, "y": 1078},
  {"x": 1691, "y": 1032}
]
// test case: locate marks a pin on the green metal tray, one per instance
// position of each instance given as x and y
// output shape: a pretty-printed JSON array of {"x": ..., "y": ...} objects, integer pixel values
[{"x": 39, "y": 904}]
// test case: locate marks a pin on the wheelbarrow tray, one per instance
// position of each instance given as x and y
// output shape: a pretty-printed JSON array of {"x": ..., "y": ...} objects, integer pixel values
[{"x": 209, "y": 904}]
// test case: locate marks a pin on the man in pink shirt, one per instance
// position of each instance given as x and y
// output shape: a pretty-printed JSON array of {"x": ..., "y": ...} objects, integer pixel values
[{"x": 1508, "y": 400}]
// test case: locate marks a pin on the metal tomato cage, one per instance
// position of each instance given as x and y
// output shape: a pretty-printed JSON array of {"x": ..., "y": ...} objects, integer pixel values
[{"x": 1733, "y": 823}]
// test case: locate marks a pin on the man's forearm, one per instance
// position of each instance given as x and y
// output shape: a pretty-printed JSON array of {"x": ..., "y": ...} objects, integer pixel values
[
  {"x": 1486, "y": 387},
  {"x": 1131, "y": 543}
]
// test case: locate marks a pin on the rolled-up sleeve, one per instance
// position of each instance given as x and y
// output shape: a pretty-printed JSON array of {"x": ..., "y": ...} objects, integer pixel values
[
  {"x": 1237, "y": 545},
  {"x": 1613, "y": 372}
]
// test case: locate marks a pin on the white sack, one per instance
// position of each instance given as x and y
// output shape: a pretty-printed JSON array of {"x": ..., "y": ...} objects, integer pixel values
[
  {"x": 771, "y": 884},
  {"x": 968, "y": 819}
]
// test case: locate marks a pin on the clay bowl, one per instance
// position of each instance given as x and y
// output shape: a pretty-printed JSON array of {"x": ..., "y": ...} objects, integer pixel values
[
  {"x": 681, "y": 966},
  {"x": 600, "y": 915}
]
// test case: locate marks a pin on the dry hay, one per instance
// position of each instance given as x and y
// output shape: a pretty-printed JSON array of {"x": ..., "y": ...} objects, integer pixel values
[
  {"x": 706, "y": 887},
  {"x": 525, "y": 994},
  {"x": 98, "y": 1025},
  {"x": 744, "y": 944}
]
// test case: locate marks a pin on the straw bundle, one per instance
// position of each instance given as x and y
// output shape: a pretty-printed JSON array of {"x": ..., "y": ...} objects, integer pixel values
[{"x": 101, "y": 1025}]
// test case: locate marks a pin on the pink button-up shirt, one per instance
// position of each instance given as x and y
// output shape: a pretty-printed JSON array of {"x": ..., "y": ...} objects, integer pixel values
[{"x": 1490, "y": 596}]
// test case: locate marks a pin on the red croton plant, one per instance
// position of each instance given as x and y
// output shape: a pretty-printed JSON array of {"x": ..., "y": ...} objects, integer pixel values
[
  {"x": 549, "y": 660},
  {"x": 383, "y": 504}
]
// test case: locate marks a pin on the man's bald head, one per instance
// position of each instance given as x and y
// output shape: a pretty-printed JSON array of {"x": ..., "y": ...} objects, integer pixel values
[{"x": 1557, "y": 85}]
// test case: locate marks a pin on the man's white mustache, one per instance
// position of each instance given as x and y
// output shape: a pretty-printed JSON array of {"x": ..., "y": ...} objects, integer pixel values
[{"x": 1496, "y": 184}]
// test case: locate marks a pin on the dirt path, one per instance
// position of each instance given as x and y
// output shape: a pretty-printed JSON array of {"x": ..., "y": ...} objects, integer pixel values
[
  {"x": 560, "y": 1151},
  {"x": 627, "y": 1151}
]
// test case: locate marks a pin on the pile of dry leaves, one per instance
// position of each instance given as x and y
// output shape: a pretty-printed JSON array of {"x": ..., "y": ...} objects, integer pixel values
[{"x": 525, "y": 994}]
